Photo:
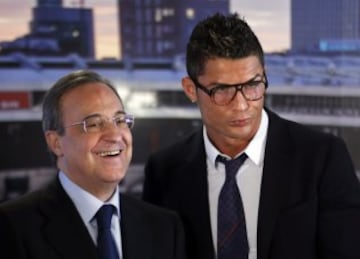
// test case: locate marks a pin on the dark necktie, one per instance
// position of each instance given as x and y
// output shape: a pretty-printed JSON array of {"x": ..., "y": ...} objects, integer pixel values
[
  {"x": 232, "y": 237},
  {"x": 105, "y": 242}
]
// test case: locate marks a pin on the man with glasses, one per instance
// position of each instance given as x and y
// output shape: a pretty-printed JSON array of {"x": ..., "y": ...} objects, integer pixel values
[
  {"x": 82, "y": 214},
  {"x": 251, "y": 184}
]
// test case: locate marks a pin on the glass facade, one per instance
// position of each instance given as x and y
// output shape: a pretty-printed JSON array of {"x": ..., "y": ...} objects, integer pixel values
[
  {"x": 313, "y": 23},
  {"x": 164, "y": 25}
]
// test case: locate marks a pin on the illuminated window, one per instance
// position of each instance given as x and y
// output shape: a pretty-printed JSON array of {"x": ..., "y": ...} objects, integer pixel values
[
  {"x": 168, "y": 12},
  {"x": 75, "y": 33},
  {"x": 158, "y": 16},
  {"x": 142, "y": 100},
  {"x": 190, "y": 13}
]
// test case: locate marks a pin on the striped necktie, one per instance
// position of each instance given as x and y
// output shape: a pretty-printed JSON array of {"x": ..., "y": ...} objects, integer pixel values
[{"x": 232, "y": 237}]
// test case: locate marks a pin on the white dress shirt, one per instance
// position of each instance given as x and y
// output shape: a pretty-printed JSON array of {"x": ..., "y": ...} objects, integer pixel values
[
  {"x": 248, "y": 180},
  {"x": 88, "y": 205}
]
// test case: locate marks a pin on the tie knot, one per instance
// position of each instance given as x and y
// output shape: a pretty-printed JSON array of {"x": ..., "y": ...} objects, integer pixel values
[
  {"x": 104, "y": 215},
  {"x": 232, "y": 165}
]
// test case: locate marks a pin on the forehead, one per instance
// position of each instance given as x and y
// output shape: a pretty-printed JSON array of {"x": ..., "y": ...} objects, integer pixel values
[
  {"x": 90, "y": 89},
  {"x": 240, "y": 64},
  {"x": 228, "y": 70},
  {"x": 90, "y": 96}
]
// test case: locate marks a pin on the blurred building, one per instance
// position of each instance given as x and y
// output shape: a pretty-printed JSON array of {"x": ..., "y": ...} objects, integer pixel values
[
  {"x": 325, "y": 26},
  {"x": 161, "y": 28},
  {"x": 56, "y": 30}
]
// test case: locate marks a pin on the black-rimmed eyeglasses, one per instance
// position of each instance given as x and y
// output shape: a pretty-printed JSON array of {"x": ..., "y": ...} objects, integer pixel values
[
  {"x": 96, "y": 123},
  {"x": 223, "y": 94}
]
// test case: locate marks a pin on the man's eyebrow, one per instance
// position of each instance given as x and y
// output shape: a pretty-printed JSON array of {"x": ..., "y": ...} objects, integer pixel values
[
  {"x": 120, "y": 112},
  {"x": 91, "y": 116},
  {"x": 254, "y": 78},
  {"x": 100, "y": 115}
]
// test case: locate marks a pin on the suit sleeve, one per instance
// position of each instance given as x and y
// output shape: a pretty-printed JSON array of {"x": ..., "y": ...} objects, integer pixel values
[
  {"x": 10, "y": 247},
  {"x": 180, "y": 239},
  {"x": 152, "y": 187},
  {"x": 339, "y": 207}
]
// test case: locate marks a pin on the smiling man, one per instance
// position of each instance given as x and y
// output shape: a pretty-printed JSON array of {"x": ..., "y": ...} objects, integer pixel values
[
  {"x": 82, "y": 214},
  {"x": 250, "y": 184}
]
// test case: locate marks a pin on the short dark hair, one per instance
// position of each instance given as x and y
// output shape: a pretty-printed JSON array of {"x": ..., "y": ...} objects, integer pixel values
[
  {"x": 220, "y": 36},
  {"x": 51, "y": 109}
]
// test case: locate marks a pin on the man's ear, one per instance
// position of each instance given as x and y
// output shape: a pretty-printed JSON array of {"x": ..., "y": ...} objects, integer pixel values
[
  {"x": 53, "y": 141},
  {"x": 189, "y": 89}
]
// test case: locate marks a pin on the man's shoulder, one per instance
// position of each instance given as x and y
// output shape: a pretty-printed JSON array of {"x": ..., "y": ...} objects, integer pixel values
[
  {"x": 23, "y": 202},
  {"x": 278, "y": 122},
  {"x": 30, "y": 202},
  {"x": 23, "y": 209},
  {"x": 182, "y": 145},
  {"x": 300, "y": 134},
  {"x": 139, "y": 207}
]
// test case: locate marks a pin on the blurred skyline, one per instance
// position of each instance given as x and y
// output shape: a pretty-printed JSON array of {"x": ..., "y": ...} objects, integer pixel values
[{"x": 269, "y": 20}]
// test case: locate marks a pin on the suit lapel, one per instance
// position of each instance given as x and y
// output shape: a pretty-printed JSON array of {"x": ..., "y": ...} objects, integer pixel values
[
  {"x": 195, "y": 202},
  {"x": 279, "y": 158},
  {"x": 277, "y": 165},
  {"x": 65, "y": 230}
]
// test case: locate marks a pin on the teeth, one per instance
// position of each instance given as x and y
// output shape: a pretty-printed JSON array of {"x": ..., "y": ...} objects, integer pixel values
[{"x": 109, "y": 153}]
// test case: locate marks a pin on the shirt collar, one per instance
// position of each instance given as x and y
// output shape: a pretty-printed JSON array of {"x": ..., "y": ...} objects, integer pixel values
[
  {"x": 86, "y": 203},
  {"x": 255, "y": 150}
]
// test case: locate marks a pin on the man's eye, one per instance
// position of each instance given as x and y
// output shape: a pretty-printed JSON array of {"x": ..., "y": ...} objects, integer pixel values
[
  {"x": 221, "y": 88},
  {"x": 91, "y": 125},
  {"x": 97, "y": 123},
  {"x": 119, "y": 120}
]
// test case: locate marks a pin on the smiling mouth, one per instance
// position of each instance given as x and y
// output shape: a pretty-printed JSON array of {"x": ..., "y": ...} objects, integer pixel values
[{"x": 109, "y": 153}]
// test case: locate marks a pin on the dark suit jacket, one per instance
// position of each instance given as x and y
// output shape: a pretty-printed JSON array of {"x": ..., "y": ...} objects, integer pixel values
[
  {"x": 46, "y": 225},
  {"x": 309, "y": 202}
]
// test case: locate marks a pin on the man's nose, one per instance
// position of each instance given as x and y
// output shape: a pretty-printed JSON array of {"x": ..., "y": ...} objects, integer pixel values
[{"x": 239, "y": 100}]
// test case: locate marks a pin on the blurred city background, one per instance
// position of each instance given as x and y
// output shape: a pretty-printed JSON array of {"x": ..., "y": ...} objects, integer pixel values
[{"x": 312, "y": 62}]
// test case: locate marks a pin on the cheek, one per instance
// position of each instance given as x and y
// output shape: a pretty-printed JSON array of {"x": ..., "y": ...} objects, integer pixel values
[
  {"x": 258, "y": 105},
  {"x": 206, "y": 106},
  {"x": 128, "y": 143},
  {"x": 79, "y": 145},
  {"x": 128, "y": 139},
  {"x": 210, "y": 112}
]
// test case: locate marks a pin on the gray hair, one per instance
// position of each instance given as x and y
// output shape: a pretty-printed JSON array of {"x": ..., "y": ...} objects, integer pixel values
[{"x": 52, "y": 113}]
